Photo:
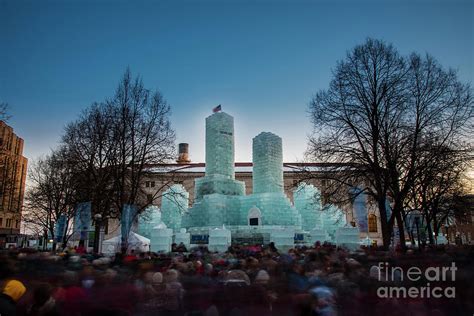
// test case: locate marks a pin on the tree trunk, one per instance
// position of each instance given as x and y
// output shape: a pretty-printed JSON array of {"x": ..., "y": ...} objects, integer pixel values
[
  {"x": 401, "y": 231},
  {"x": 430, "y": 233},
  {"x": 386, "y": 231}
]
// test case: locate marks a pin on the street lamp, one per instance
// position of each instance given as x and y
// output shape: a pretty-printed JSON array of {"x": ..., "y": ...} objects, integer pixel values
[{"x": 98, "y": 222}]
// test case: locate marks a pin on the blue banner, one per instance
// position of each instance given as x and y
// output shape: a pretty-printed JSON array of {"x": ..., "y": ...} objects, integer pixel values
[
  {"x": 199, "y": 239},
  {"x": 126, "y": 220},
  {"x": 60, "y": 228},
  {"x": 360, "y": 208},
  {"x": 82, "y": 219},
  {"x": 388, "y": 209}
]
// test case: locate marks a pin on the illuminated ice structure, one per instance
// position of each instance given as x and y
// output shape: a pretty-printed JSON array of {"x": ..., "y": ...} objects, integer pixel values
[
  {"x": 221, "y": 211},
  {"x": 174, "y": 203}
]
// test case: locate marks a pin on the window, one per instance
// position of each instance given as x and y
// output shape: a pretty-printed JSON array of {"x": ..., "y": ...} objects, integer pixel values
[
  {"x": 254, "y": 216},
  {"x": 1, "y": 221},
  {"x": 9, "y": 222},
  {"x": 253, "y": 221},
  {"x": 147, "y": 184},
  {"x": 372, "y": 223},
  {"x": 152, "y": 184},
  {"x": 149, "y": 198},
  {"x": 17, "y": 224}
]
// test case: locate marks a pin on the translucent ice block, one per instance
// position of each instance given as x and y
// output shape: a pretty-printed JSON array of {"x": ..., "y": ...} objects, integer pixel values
[
  {"x": 267, "y": 163},
  {"x": 174, "y": 203},
  {"x": 307, "y": 201}
]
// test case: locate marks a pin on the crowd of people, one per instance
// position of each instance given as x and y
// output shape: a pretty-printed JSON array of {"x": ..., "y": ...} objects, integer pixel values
[{"x": 319, "y": 280}]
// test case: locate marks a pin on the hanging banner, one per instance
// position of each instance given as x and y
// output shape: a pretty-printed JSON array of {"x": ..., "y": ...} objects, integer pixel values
[
  {"x": 82, "y": 220},
  {"x": 126, "y": 220},
  {"x": 360, "y": 208},
  {"x": 60, "y": 228}
]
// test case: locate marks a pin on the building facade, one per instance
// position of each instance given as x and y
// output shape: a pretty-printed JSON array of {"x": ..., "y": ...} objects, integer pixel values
[{"x": 13, "y": 167}]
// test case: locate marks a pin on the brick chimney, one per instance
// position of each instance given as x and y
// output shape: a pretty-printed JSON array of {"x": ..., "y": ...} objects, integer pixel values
[{"x": 183, "y": 156}]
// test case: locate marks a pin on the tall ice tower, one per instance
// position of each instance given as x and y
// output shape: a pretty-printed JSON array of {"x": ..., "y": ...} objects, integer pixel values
[
  {"x": 267, "y": 163},
  {"x": 220, "y": 145},
  {"x": 220, "y": 176}
]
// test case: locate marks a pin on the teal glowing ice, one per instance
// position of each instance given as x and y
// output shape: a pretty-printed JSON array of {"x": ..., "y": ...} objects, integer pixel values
[
  {"x": 307, "y": 200},
  {"x": 267, "y": 163},
  {"x": 332, "y": 218},
  {"x": 221, "y": 206},
  {"x": 220, "y": 176},
  {"x": 174, "y": 203},
  {"x": 275, "y": 207},
  {"x": 220, "y": 199},
  {"x": 150, "y": 218},
  {"x": 220, "y": 145}
]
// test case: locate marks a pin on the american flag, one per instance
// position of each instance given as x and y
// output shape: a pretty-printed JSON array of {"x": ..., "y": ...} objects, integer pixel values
[{"x": 217, "y": 109}]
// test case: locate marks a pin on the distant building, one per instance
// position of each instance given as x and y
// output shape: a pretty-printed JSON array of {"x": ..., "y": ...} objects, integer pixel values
[
  {"x": 462, "y": 225},
  {"x": 13, "y": 168}
]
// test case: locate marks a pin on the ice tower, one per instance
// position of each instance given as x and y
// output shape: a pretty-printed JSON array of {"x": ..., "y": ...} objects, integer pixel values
[
  {"x": 267, "y": 163},
  {"x": 219, "y": 159},
  {"x": 268, "y": 194},
  {"x": 216, "y": 201},
  {"x": 220, "y": 145}
]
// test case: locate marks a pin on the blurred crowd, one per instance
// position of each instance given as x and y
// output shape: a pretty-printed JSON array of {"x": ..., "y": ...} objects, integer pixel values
[{"x": 319, "y": 280}]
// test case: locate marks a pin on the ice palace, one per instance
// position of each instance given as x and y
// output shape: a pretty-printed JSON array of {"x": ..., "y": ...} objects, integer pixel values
[{"x": 222, "y": 214}]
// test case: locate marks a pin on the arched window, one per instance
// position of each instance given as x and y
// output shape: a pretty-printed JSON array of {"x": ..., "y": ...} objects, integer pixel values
[
  {"x": 254, "y": 217},
  {"x": 372, "y": 223}
]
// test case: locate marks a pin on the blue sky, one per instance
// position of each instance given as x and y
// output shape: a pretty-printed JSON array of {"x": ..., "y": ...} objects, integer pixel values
[{"x": 262, "y": 60}]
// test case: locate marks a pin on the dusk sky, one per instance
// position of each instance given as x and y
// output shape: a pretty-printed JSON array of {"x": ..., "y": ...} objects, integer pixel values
[{"x": 262, "y": 60}]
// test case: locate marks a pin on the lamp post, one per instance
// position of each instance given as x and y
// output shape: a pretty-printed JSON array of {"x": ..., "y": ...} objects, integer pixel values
[{"x": 98, "y": 222}]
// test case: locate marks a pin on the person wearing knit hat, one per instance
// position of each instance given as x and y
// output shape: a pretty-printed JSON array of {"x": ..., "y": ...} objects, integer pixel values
[
  {"x": 12, "y": 292},
  {"x": 157, "y": 278},
  {"x": 262, "y": 277}
]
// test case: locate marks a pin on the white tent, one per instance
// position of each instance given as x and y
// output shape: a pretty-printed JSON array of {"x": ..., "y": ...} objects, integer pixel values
[{"x": 135, "y": 242}]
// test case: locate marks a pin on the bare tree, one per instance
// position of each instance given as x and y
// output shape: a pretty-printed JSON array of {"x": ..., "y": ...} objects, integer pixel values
[
  {"x": 51, "y": 195},
  {"x": 439, "y": 188},
  {"x": 143, "y": 135},
  {"x": 378, "y": 111},
  {"x": 92, "y": 152},
  {"x": 4, "y": 111},
  {"x": 113, "y": 143}
]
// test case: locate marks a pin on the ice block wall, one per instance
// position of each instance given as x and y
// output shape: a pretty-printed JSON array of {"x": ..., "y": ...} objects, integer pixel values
[
  {"x": 267, "y": 163},
  {"x": 308, "y": 202},
  {"x": 150, "y": 218},
  {"x": 220, "y": 145},
  {"x": 332, "y": 218},
  {"x": 174, "y": 204}
]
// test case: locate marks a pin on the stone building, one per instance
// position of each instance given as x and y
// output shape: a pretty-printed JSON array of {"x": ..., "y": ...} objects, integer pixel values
[{"x": 13, "y": 166}]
